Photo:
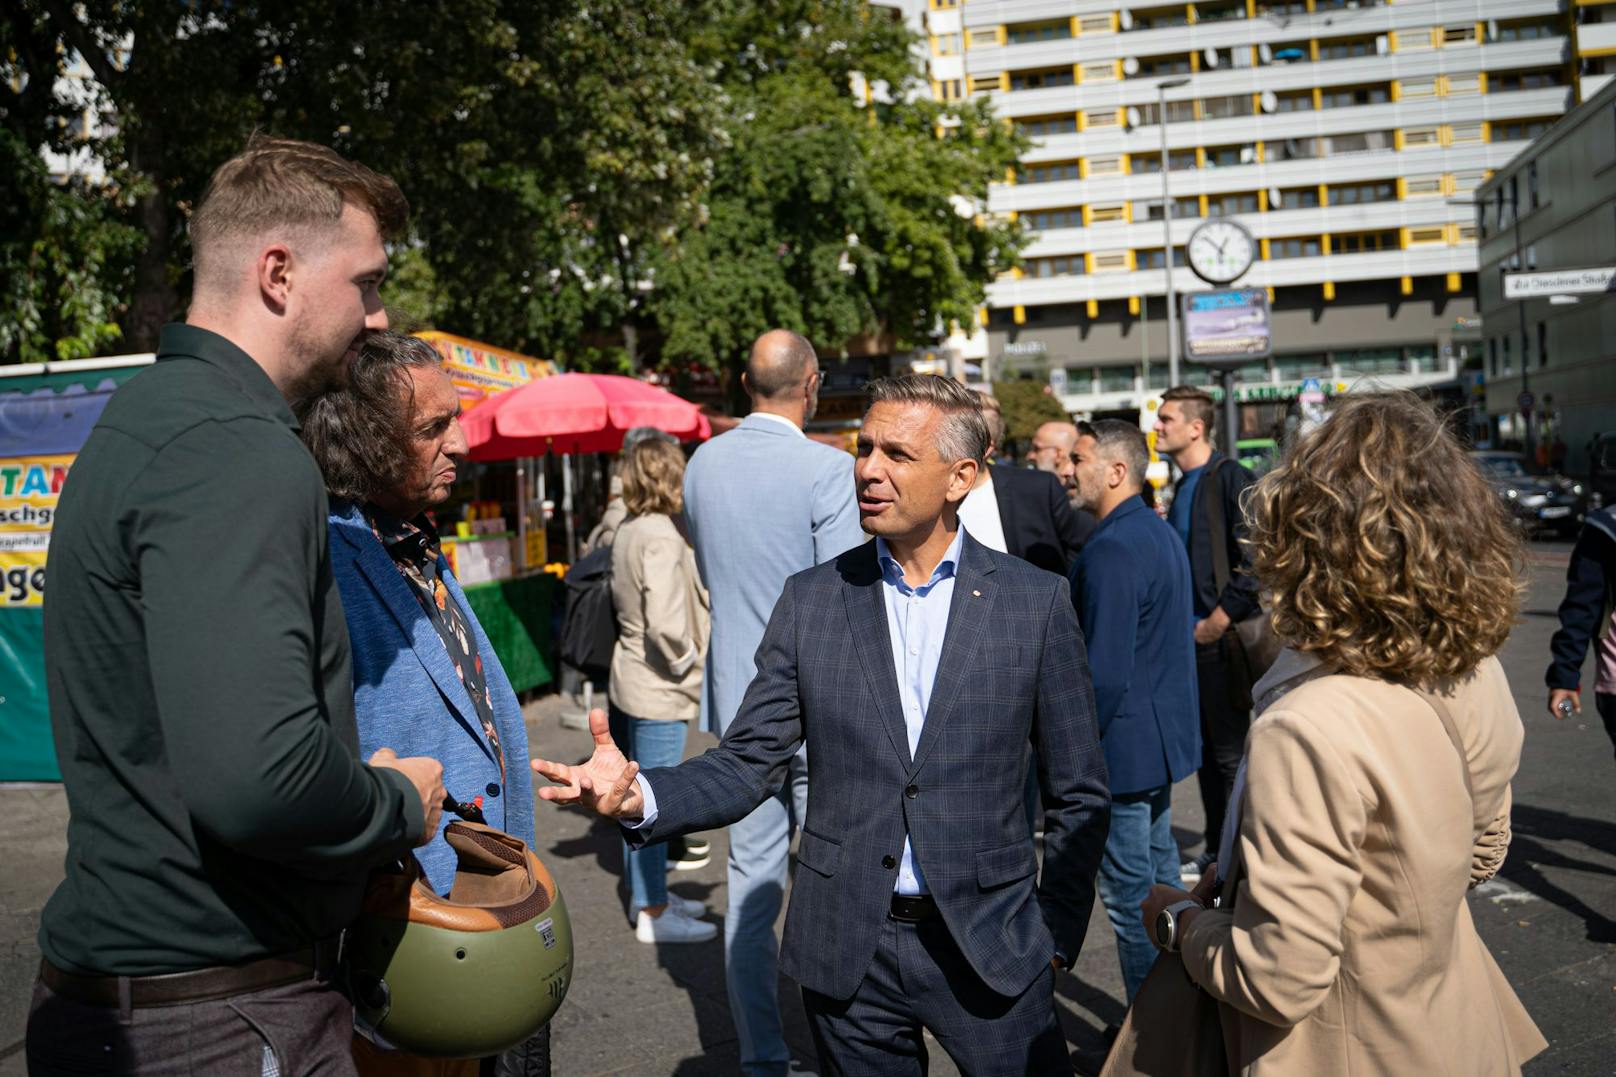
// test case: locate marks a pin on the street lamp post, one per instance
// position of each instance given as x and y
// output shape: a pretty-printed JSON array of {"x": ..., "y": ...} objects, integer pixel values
[{"x": 1167, "y": 231}]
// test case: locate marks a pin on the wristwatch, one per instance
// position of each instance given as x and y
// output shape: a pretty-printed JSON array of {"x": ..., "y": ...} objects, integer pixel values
[{"x": 1167, "y": 925}]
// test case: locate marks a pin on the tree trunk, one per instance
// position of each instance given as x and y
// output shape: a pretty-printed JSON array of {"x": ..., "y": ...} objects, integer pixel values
[{"x": 155, "y": 299}]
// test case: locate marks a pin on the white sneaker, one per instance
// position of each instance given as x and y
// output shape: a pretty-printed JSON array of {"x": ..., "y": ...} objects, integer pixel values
[
  {"x": 671, "y": 927},
  {"x": 690, "y": 910}
]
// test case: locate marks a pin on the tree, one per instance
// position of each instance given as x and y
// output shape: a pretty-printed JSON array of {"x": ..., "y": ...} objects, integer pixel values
[
  {"x": 1027, "y": 406},
  {"x": 830, "y": 214}
]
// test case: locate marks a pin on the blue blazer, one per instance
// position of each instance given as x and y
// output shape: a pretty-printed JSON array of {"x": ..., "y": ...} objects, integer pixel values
[
  {"x": 761, "y": 502},
  {"x": 1131, "y": 585},
  {"x": 407, "y": 696},
  {"x": 1012, "y": 677}
]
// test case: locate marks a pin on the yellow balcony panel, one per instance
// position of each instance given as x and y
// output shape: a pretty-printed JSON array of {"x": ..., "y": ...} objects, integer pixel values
[
  {"x": 1406, "y": 285},
  {"x": 1329, "y": 290},
  {"x": 1093, "y": 309},
  {"x": 1133, "y": 305},
  {"x": 1019, "y": 314},
  {"x": 1455, "y": 283}
]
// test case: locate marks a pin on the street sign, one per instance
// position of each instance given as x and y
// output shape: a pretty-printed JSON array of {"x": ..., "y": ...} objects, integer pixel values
[
  {"x": 1560, "y": 282},
  {"x": 1525, "y": 401},
  {"x": 1057, "y": 380},
  {"x": 1228, "y": 328}
]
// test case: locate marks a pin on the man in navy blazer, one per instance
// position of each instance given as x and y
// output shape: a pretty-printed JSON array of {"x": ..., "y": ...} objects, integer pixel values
[
  {"x": 1132, "y": 588},
  {"x": 425, "y": 676},
  {"x": 921, "y": 669}
]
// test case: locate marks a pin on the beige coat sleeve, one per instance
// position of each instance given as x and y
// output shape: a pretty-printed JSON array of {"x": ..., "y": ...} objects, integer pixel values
[
  {"x": 665, "y": 597},
  {"x": 1275, "y": 955},
  {"x": 1488, "y": 854}
]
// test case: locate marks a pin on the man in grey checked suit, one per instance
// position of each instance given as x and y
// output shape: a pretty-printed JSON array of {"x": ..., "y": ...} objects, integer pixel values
[
  {"x": 762, "y": 502},
  {"x": 915, "y": 905}
]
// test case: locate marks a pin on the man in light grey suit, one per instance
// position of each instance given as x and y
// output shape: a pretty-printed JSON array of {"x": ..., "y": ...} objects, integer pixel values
[{"x": 762, "y": 502}]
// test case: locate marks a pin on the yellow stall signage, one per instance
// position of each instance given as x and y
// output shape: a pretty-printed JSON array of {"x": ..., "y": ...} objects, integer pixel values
[
  {"x": 481, "y": 370},
  {"x": 29, "y": 488}
]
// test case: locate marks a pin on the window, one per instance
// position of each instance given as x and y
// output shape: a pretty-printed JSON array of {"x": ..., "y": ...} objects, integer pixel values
[
  {"x": 1067, "y": 265},
  {"x": 1520, "y": 130},
  {"x": 1153, "y": 259},
  {"x": 1052, "y": 173},
  {"x": 1041, "y": 80},
  {"x": 1513, "y": 81},
  {"x": 1419, "y": 137},
  {"x": 1177, "y": 160},
  {"x": 1422, "y": 186},
  {"x": 1227, "y": 205},
  {"x": 1348, "y": 49},
  {"x": 1160, "y": 20},
  {"x": 1177, "y": 112},
  {"x": 1297, "y": 198},
  {"x": 1108, "y": 212},
  {"x": 1468, "y": 180},
  {"x": 1509, "y": 364},
  {"x": 1355, "y": 194},
  {"x": 1027, "y": 32},
  {"x": 1463, "y": 34},
  {"x": 1371, "y": 361},
  {"x": 1219, "y": 12},
  {"x": 1117, "y": 379},
  {"x": 1045, "y": 126},
  {"x": 1101, "y": 117},
  {"x": 1217, "y": 108},
  {"x": 1531, "y": 184},
  {"x": 1294, "y": 52},
  {"x": 1300, "y": 101},
  {"x": 946, "y": 44},
  {"x": 1415, "y": 88},
  {"x": 1251, "y": 372},
  {"x": 1108, "y": 165},
  {"x": 1366, "y": 142},
  {"x": 1422, "y": 359},
  {"x": 1525, "y": 31},
  {"x": 951, "y": 90},
  {"x": 1155, "y": 66},
  {"x": 1362, "y": 95},
  {"x": 984, "y": 83},
  {"x": 1095, "y": 24},
  {"x": 1492, "y": 356},
  {"x": 1230, "y": 156},
  {"x": 1427, "y": 236},
  {"x": 1298, "y": 149},
  {"x": 1363, "y": 242},
  {"x": 1100, "y": 71},
  {"x": 1044, "y": 220},
  {"x": 1302, "y": 367},
  {"x": 1463, "y": 133},
  {"x": 1110, "y": 261},
  {"x": 1463, "y": 85},
  {"x": 1300, "y": 247},
  {"x": 1151, "y": 209},
  {"x": 1542, "y": 344},
  {"x": 1464, "y": 232}
]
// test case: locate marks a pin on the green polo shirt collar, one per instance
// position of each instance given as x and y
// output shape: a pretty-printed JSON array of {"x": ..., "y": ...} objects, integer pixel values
[{"x": 181, "y": 340}]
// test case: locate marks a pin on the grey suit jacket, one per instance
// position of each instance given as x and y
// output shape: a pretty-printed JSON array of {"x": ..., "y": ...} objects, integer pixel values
[
  {"x": 761, "y": 503},
  {"x": 825, "y": 676}
]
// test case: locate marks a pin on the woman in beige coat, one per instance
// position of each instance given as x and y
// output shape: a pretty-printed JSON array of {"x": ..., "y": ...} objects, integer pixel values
[
  {"x": 662, "y": 627},
  {"x": 1343, "y": 943}
]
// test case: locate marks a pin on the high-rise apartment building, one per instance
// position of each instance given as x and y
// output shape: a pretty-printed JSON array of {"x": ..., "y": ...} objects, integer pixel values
[{"x": 1348, "y": 136}]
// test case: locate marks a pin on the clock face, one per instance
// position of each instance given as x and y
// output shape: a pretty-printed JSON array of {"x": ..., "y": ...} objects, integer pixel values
[{"x": 1220, "y": 251}]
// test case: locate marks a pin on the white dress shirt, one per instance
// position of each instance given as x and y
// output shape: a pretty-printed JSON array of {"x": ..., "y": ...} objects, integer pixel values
[{"x": 979, "y": 514}]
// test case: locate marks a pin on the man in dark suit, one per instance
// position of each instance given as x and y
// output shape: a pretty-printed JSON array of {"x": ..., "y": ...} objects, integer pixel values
[
  {"x": 913, "y": 907},
  {"x": 1132, "y": 589},
  {"x": 1021, "y": 511}
]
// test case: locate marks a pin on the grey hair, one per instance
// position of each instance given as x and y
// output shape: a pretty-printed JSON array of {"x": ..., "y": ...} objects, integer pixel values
[
  {"x": 1124, "y": 442},
  {"x": 645, "y": 433},
  {"x": 964, "y": 431},
  {"x": 360, "y": 434}
]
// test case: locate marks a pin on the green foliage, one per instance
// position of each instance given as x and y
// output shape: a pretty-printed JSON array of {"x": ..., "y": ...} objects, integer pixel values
[
  {"x": 1027, "y": 406},
  {"x": 592, "y": 182}
]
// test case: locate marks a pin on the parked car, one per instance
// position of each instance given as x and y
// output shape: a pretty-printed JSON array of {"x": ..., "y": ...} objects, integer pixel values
[{"x": 1540, "y": 500}]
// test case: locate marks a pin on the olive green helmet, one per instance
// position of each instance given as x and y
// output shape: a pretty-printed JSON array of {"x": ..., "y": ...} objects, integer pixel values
[{"x": 471, "y": 974}]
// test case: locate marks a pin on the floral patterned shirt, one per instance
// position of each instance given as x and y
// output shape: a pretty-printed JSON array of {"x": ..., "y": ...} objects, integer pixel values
[{"x": 415, "y": 549}]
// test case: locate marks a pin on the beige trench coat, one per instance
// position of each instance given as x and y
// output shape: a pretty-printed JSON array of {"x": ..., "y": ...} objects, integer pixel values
[
  {"x": 662, "y": 621},
  {"x": 1350, "y": 949}
]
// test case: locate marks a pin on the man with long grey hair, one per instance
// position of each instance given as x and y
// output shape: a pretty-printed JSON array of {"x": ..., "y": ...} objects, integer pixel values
[
  {"x": 426, "y": 678},
  {"x": 918, "y": 904}
]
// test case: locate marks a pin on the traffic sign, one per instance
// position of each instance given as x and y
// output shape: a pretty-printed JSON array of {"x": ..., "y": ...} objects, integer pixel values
[{"x": 1525, "y": 401}]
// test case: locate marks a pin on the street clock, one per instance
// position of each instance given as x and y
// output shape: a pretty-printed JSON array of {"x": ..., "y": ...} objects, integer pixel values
[{"x": 1221, "y": 250}]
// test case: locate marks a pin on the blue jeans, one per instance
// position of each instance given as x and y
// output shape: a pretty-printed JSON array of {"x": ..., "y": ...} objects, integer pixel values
[
  {"x": 758, "y": 848},
  {"x": 650, "y": 743},
  {"x": 1139, "y": 852}
]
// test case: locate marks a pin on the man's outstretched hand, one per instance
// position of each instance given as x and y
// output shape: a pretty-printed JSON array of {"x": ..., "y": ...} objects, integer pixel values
[{"x": 604, "y": 783}]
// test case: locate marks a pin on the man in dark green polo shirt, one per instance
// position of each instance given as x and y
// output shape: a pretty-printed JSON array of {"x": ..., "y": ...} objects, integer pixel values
[{"x": 222, "y": 826}]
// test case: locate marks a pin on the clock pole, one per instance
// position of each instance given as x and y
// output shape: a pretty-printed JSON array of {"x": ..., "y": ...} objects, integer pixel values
[{"x": 1167, "y": 236}]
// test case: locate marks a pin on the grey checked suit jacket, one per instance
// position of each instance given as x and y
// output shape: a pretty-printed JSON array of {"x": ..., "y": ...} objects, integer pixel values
[{"x": 1013, "y": 675}]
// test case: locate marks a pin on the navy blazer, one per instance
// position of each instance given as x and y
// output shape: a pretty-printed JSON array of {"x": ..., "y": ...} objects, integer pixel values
[
  {"x": 407, "y": 696},
  {"x": 1131, "y": 585},
  {"x": 1039, "y": 524},
  {"x": 1013, "y": 676}
]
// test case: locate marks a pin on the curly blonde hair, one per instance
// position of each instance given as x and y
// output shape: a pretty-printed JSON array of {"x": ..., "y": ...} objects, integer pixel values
[{"x": 1383, "y": 550}]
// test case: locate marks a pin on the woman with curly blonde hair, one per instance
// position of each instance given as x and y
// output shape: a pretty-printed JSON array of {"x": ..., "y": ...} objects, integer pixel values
[{"x": 1375, "y": 789}]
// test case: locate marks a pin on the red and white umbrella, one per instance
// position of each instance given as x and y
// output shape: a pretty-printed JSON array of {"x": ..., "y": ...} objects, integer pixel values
[{"x": 576, "y": 413}]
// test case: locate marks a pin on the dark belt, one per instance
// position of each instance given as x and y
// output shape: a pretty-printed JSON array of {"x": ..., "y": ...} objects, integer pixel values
[
  {"x": 200, "y": 985},
  {"x": 914, "y": 909}
]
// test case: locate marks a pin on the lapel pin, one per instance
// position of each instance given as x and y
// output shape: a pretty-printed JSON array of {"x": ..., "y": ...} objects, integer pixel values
[{"x": 978, "y": 594}]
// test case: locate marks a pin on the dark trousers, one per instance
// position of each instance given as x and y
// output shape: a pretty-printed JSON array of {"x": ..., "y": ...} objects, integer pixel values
[
  {"x": 1605, "y": 703},
  {"x": 920, "y": 980},
  {"x": 300, "y": 1029},
  {"x": 1223, "y": 735}
]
